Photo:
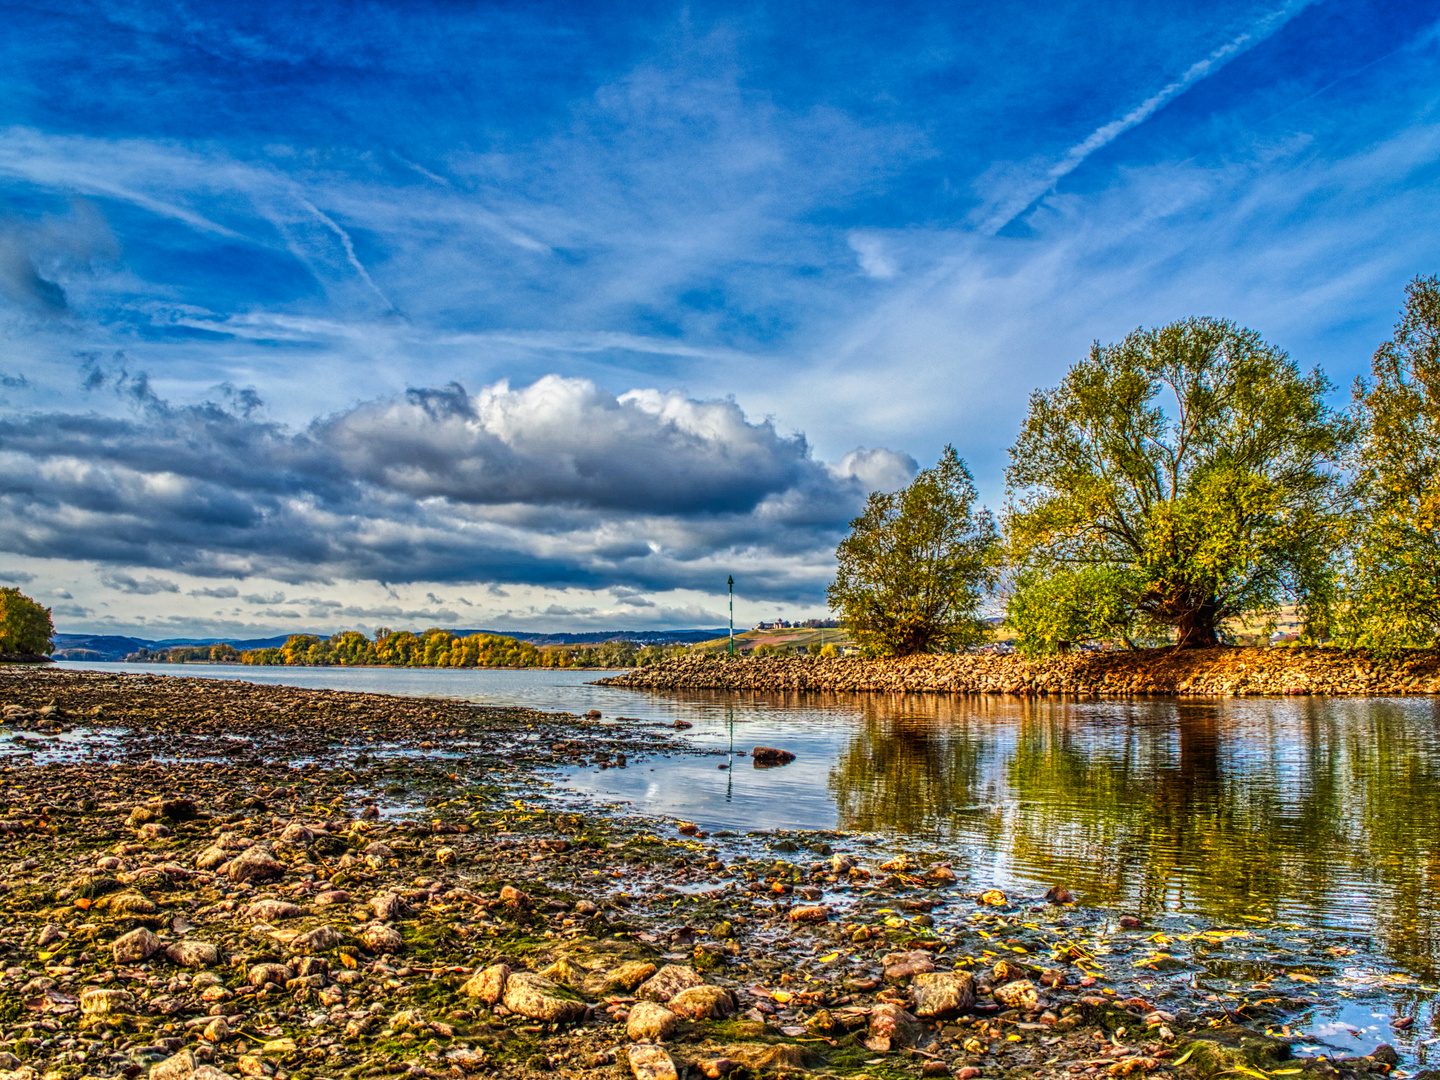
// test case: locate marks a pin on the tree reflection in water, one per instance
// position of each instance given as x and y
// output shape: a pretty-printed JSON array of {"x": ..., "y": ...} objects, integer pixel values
[{"x": 1322, "y": 812}]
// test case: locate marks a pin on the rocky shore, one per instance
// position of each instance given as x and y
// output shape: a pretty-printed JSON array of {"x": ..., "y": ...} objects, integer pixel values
[
  {"x": 1223, "y": 672},
  {"x": 215, "y": 879}
]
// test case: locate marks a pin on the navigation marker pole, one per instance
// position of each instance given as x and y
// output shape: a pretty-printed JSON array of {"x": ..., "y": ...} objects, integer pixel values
[{"x": 731, "y": 582}]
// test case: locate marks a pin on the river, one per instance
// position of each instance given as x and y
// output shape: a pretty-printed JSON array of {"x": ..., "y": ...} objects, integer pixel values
[{"x": 1288, "y": 816}]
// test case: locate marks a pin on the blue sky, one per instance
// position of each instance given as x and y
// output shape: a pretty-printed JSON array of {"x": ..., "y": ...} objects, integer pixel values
[{"x": 545, "y": 315}]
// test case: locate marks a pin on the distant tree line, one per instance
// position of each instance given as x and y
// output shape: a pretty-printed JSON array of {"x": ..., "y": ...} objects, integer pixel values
[
  {"x": 1180, "y": 484},
  {"x": 433, "y": 648}
]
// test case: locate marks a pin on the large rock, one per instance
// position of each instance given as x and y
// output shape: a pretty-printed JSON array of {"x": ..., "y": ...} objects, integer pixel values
[
  {"x": 273, "y": 910},
  {"x": 667, "y": 982},
  {"x": 321, "y": 939},
  {"x": 599, "y": 967},
  {"x": 703, "y": 1003},
  {"x": 255, "y": 864},
  {"x": 98, "y": 1002},
  {"x": 211, "y": 858},
  {"x": 1018, "y": 995},
  {"x": 538, "y": 998},
  {"x": 765, "y": 757},
  {"x": 1229, "y": 1050},
  {"x": 487, "y": 984},
  {"x": 297, "y": 834},
  {"x": 193, "y": 954},
  {"x": 649, "y": 1022},
  {"x": 892, "y": 1028},
  {"x": 181, "y": 1066},
  {"x": 139, "y": 944},
  {"x": 942, "y": 993},
  {"x": 380, "y": 938},
  {"x": 651, "y": 1063},
  {"x": 261, "y": 974},
  {"x": 904, "y": 965}
]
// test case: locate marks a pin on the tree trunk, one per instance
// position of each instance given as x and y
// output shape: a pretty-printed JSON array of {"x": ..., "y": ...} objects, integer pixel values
[{"x": 1196, "y": 629}]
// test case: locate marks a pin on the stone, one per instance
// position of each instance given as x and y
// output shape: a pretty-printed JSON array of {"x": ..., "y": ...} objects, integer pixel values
[
  {"x": 380, "y": 938},
  {"x": 49, "y": 934},
  {"x": 667, "y": 982},
  {"x": 651, "y": 1063},
  {"x": 255, "y": 864},
  {"x": 193, "y": 954},
  {"x": 904, "y": 965},
  {"x": 298, "y": 834},
  {"x": 263, "y": 974},
  {"x": 211, "y": 858},
  {"x": 379, "y": 850},
  {"x": 538, "y": 998},
  {"x": 764, "y": 1058},
  {"x": 331, "y": 896},
  {"x": 99, "y": 1002},
  {"x": 892, "y": 1028},
  {"x": 599, "y": 967},
  {"x": 765, "y": 757},
  {"x": 181, "y": 1066},
  {"x": 210, "y": 1072},
  {"x": 139, "y": 944},
  {"x": 321, "y": 939},
  {"x": 714, "y": 1068},
  {"x": 273, "y": 911},
  {"x": 487, "y": 984},
  {"x": 810, "y": 913},
  {"x": 179, "y": 810},
  {"x": 649, "y": 1022},
  {"x": 218, "y": 1030},
  {"x": 1018, "y": 995},
  {"x": 510, "y": 896},
  {"x": 126, "y": 903},
  {"x": 387, "y": 906},
  {"x": 703, "y": 1003},
  {"x": 942, "y": 993},
  {"x": 1231, "y": 1049}
]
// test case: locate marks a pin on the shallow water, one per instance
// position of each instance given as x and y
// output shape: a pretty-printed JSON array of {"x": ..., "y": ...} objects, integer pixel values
[{"x": 1313, "y": 823}]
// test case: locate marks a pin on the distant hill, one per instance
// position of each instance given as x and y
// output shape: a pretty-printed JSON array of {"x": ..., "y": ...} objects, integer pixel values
[{"x": 110, "y": 647}]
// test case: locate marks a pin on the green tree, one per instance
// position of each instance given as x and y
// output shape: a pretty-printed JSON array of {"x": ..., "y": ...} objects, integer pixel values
[
  {"x": 1188, "y": 469},
  {"x": 1051, "y": 611},
  {"x": 25, "y": 626},
  {"x": 1392, "y": 579},
  {"x": 917, "y": 565}
]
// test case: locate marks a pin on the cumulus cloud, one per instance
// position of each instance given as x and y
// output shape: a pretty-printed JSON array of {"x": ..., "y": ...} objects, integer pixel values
[
  {"x": 15, "y": 577},
  {"x": 222, "y": 592},
  {"x": 559, "y": 482}
]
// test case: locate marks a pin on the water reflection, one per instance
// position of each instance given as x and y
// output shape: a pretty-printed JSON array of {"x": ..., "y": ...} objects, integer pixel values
[{"x": 1312, "y": 811}]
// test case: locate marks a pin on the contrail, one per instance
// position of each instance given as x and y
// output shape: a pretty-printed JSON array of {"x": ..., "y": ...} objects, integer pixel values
[
  {"x": 350, "y": 255},
  {"x": 1108, "y": 133}
]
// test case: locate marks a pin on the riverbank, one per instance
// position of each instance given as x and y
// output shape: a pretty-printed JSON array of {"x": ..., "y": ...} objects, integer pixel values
[
  {"x": 210, "y": 879},
  {"x": 1224, "y": 672}
]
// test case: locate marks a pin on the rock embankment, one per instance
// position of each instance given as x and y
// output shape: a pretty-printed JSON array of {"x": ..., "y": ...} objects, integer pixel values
[{"x": 1224, "y": 672}]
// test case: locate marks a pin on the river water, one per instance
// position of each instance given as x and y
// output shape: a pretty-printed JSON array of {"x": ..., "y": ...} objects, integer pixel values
[{"x": 1313, "y": 814}]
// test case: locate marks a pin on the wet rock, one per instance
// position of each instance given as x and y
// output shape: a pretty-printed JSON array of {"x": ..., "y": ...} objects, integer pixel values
[
  {"x": 892, "y": 1028},
  {"x": 1018, "y": 995},
  {"x": 667, "y": 982},
  {"x": 1231, "y": 1049},
  {"x": 903, "y": 965},
  {"x": 942, "y": 993},
  {"x": 651, "y": 1063},
  {"x": 331, "y": 896},
  {"x": 380, "y": 938},
  {"x": 514, "y": 898},
  {"x": 766, "y": 757},
  {"x": 273, "y": 911},
  {"x": 601, "y": 967},
  {"x": 379, "y": 850},
  {"x": 387, "y": 907},
  {"x": 255, "y": 864},
  {"x": 538, "y": 998},
  {"x": 193, "y": 954},
  {"x": 714, "y": 1068},
  {"x": 810, "y": 913},
  {"x": 101, "y": 1002},
  {"x": 139, "y": 944},
  {"x": 487, "y": 984},
  {"x": 703, "y": 1003},
  {"x": 649, "y": 1022},
  {"x": 1058, "y": 894},
  {"x": 841, "y": 864},
  {"x": 1130, "y": 922},
  {"x": 297, "y": 834}
]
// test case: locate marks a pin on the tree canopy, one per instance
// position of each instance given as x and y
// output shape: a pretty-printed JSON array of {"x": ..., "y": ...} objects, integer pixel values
[
  {"x": 917, "y": 565},
  {"x": 25, "y": 626},
  {"x": 1392, "y": 576},
  {"x": 1178, "y": 478}
]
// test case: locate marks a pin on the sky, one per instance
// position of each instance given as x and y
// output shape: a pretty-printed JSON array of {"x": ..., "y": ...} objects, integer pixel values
[{"x": 552, "y": 316}]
